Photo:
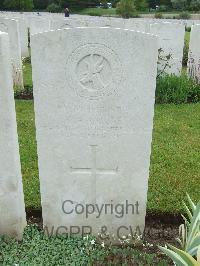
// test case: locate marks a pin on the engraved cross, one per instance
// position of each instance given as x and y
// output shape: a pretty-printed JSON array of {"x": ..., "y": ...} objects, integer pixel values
[{"x": 94, "y": 170}]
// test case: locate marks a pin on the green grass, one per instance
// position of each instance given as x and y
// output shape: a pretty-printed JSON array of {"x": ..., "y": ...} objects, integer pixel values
[
  {"x": 28, "y": 153},
  {"x": 187, "y": 37},
  {"x": 175, "y": 160},
  {"x": 97, "y": 11},
  {"x": 38, "y": 249},
  {"x": 27, "y": 73}
]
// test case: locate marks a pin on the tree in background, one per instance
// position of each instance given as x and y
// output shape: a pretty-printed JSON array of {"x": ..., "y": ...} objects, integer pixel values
[
  {"x": 141, "y": 5},
  {"x": 41, "y": 4},
  {"x": 179, "y": 4},
  {"x": 152, "y": 3},
  {"x": 126, "y": 8},
  {"x": 195, "y": 5},
  {"x": 25, "y": 5},
  {"x": 11, "y": 4}
]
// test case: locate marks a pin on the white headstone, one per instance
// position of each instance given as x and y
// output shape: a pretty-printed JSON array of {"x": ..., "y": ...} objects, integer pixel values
[
  {"x": 12, "y": 210},
  {"x": 66, "y": 23},
  {"x": 171, "y": 41},
  {"x": 194, "y": 54},
  {"x": 38, "y": 24},
  {"x": 137, "y": 25},
  {"x": 11, "y": 27},
  {"x": 94, "y": 103},
  {"x": 23, "y": 31}
]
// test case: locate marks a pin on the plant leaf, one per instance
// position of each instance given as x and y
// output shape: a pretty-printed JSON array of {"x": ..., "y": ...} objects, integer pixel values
[
  {"x": 194, "y": 245},
  {"x": 192, "y": 205},
  {"x": 194, "y": 227},
  {"x": 198, "y": 254},
  {"x": 187, "y": 258},
  {"x": 188, "y": 211},
  {"x": 174, "y": 256}
]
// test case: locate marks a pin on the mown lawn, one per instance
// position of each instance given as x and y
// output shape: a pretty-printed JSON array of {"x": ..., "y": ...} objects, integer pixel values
[
  {"x": 27, "y": 74},
  {"x": 175, "y": 160}
]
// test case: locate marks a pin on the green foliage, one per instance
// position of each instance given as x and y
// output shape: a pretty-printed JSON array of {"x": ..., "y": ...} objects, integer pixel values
[
  {"x": 179, "y": 4},
  {"x": 98, "y": 11},
  {"x": 186, "y": 47},
  {"x": 140, "y": 5},
  {"x": 40, "y": 4},
  {"x": 174, "y": 89},
  {"x": 38, "y": 249},
  {"x": 154, "y": 3},
  {"x": 189, "y": 238},
  {"x": 195, "y": 5},
  {"x": 25, "y": 5},
  {"x": 188, "y": 29},
  {"x": 54, "y": 8},
  {"x": 158, "y": 15},
  {"x": 126, "y": 8},
  {"x": 104, "y": 3},
  {"x": 163, "y": 8},
  {"x": 184, "y": 15}
]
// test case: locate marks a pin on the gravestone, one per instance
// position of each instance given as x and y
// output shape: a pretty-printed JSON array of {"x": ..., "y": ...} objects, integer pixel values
[
  {"x": 137, "y": 25},
  {"x": 12, "y": 210},
  {"x": 38, "y": 24},
  {"x": 66, "y": 23},
  {"x": 11, "y": 27},
  {"x": 94, "y": 104},
  {"x": 23, "y": 32},
  {"x": 171, "y": 41},
  {"x": 194, "y": 54}
]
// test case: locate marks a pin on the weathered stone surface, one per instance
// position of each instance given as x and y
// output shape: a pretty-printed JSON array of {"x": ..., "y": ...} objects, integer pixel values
[
  {"x": 12, "y": 210},
  {"x": 23, "y": 32},
  {"x": 194, "y": 54},
  {"x": 38, "y": 24},
  {"x": 171, "y": 41},
  {"x": 94, "y": 104},
  {"x": 11, "y": 27},
  {"x": 137, "y": 25}
]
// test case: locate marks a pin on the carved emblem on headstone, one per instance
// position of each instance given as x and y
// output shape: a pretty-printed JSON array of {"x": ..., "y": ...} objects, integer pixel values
[{"x": 94, "y": 70}]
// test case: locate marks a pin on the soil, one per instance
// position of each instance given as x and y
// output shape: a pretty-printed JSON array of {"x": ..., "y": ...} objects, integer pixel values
[{"x": 160, "y": 228}]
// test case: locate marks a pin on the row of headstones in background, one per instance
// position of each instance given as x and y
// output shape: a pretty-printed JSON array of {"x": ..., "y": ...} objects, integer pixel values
[
  {"x": 12, "y": 209},
  {"x": 94, "y": 105},
  {"x": 11, "y": 27},
  {"x": 171, "y": 36},
  {"x": 23, "y": 32},
  {"x": 51, "y": 16},
  {"x": 194, "y": 54}
]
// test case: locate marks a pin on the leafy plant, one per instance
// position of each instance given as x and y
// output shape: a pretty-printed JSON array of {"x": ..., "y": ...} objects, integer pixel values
[
  {"x": 185, "y": 53},
  {"x": 163, "y": 8},
  {"x": 184, "y": 15},
  {"x": 179, "y": 4},
  {"x": 39, "y": 249},
  {"x": 126, "y": 8},
  {"x": 163, "y": 62},
  {"x": 54, "y": 8},
  {"x": 141, "y": 5},
  {"x": 189, "y": 238},
  {"x": 195, "y": 5},
  {"x": 158, "y": 15},
  {"x": 174, "y": 89},
  {"x": 188, "y": 29}
]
